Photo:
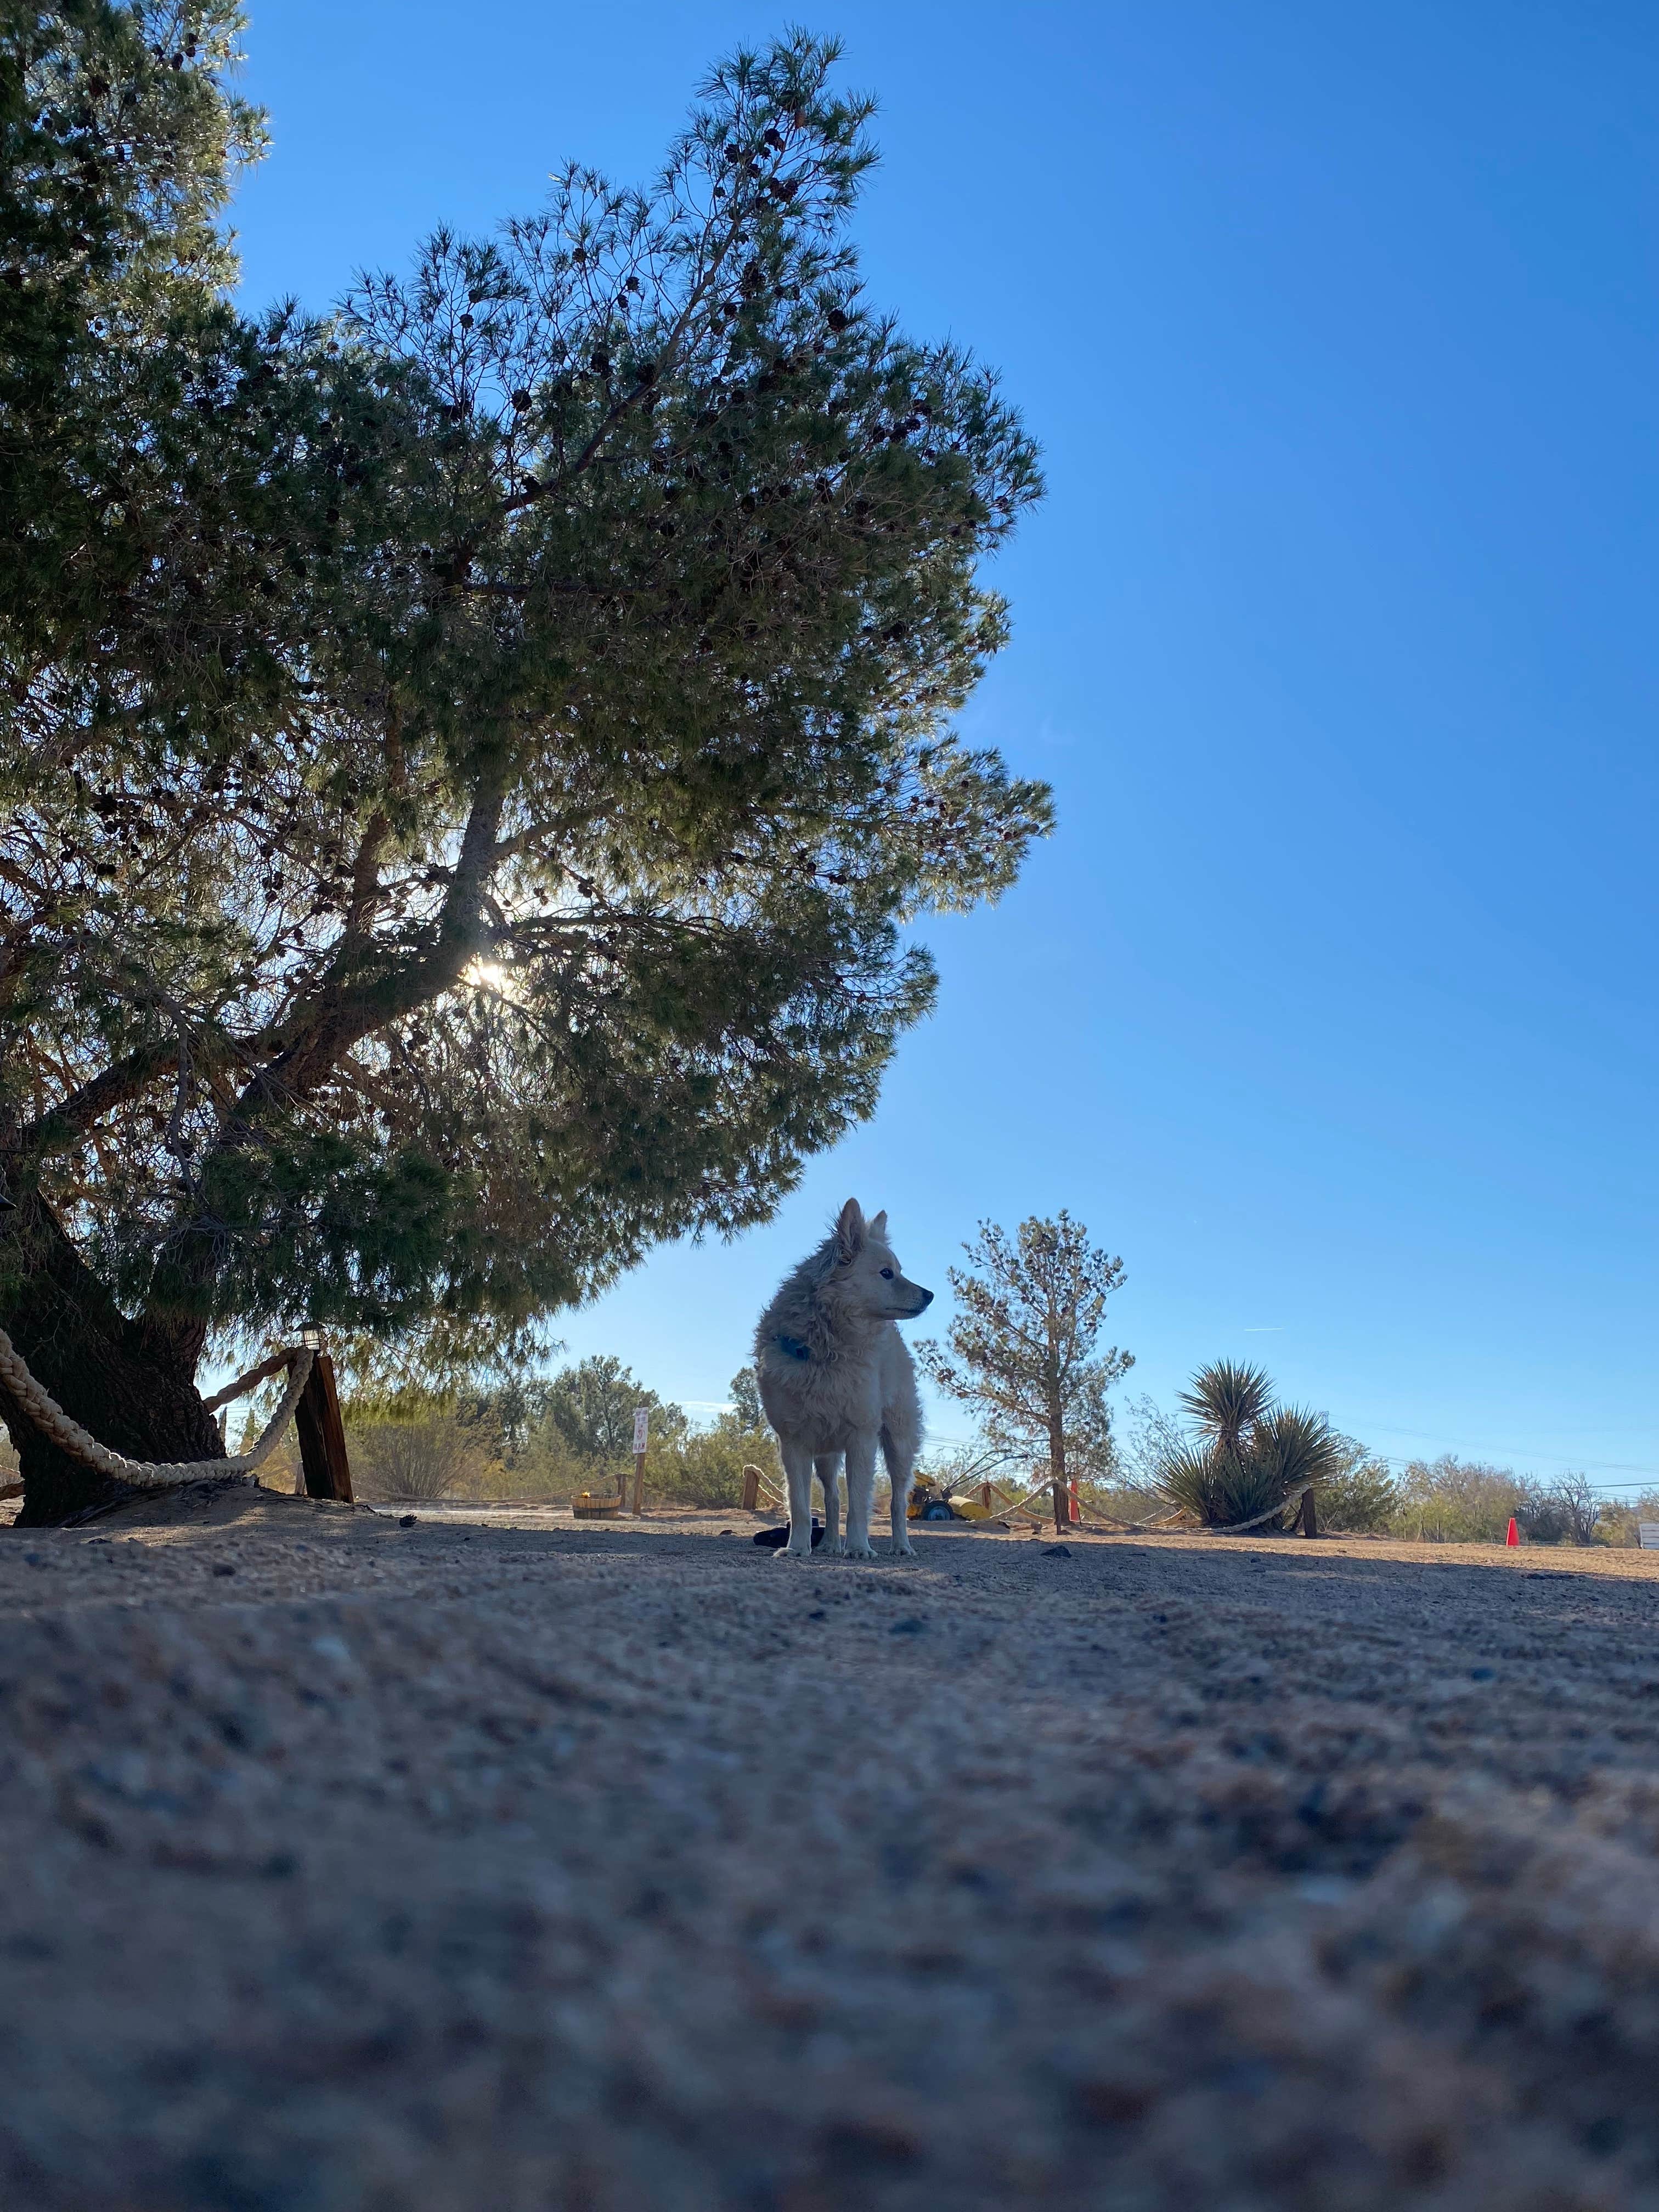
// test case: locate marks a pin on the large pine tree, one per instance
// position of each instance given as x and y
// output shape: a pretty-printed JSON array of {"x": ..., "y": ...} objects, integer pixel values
[{"x": 466, "y": 765}]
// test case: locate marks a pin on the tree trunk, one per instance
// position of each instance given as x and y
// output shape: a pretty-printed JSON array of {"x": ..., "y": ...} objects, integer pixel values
[
  {"x": 94, "y": 1362},
  {"x": 1057, "y": 1472}
]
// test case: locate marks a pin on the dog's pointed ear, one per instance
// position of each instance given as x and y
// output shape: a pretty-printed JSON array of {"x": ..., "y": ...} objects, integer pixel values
[
  {"x": 878, "y": 1225},
  {"x": 849, "y": 1231}
]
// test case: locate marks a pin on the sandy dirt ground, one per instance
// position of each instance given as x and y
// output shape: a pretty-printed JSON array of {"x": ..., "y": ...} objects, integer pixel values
[{"x": 507, "y": 1864}]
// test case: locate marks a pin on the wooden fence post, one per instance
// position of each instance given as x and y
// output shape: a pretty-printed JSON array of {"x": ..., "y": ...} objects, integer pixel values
[
  {"x": 1063, "y": 1507},
  {"x": 1309, "y": 1519},
  {"x": 751, "y": 1477},
  {"x": 322, "y": 1434},
  {"x": 639, "y": 1484}
]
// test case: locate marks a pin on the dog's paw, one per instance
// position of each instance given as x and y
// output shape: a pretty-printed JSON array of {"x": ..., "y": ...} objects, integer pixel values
[
  {"x": 793, "y": 1551},
  {"x": 833, "y": 1547},
  {"x": 857, "y": 1551},
  {"x": 906, "y": 1550}
]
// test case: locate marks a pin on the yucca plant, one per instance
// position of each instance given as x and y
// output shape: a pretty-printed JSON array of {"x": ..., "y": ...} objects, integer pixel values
[
  {"x": 1252, "y": 1455},
  {"x": 1226, "y": 1401}
]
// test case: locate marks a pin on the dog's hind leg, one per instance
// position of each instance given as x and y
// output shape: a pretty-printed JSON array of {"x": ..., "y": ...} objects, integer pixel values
[
  {"x": 901, "y": 1464},
  {"x": 797, "y": 1473},
  {"x": 827, "y": 1465},
  {"x": 860, "y": 1489}
]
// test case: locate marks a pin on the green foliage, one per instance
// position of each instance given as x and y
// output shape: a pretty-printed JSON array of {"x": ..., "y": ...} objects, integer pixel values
[
  {"x": 1021, "y": 1348},
  {"x": 1453, "y": 1501},
  {"x": 1450, "y": 1500},
  {"x": 1252, "y": 1455},
  {"x": 465, "y": 768},
  {"x": 118, "y": 143},
  {"x": 1617, "y": 1523},
  {"x": 744, "y": 1387},
  {"x": 590, "y": 1407},
  {"x": 1357, "y": 1495},
  {"x": 1226, "y": 1400},
  {"x": 705, "y": 1467},
  {"x": 543, "y": 1437},
  {"x": 423, "y": 1458}
]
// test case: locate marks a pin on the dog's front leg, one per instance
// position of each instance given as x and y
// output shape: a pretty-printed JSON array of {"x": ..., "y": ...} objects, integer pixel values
[
  {"x": 797, "y": 1473},
  {"x": 861, "y": 1491},
  {"x": 829, "y": 1468}
]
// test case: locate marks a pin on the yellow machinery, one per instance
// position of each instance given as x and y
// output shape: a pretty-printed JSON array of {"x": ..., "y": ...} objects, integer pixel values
[{"x": 928, "y": 1504}]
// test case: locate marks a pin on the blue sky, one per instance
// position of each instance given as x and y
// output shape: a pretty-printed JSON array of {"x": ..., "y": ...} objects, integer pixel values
[{"x": 1331, "y": 1005}]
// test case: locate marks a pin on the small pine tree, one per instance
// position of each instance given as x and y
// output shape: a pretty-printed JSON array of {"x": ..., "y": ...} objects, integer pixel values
[{"x": 1022, "y": 1346}]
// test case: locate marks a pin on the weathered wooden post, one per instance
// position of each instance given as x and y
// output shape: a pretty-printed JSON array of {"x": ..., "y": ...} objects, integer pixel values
[
  {"x": 321, "y": 1432},
  {"x": 751, "y": 1483},
  {"x": 1310, "y": 1518},
  {"x": 642, "y": 1437}
]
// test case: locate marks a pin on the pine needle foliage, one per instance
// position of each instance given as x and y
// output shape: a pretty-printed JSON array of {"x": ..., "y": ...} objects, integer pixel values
[
  {"x": 466, "y": 762},
  {"x": 1022, "y": 1348}
]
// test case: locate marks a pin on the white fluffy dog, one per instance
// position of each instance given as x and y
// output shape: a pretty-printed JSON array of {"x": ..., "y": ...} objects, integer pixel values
[{"x": 836, "y": 1380}]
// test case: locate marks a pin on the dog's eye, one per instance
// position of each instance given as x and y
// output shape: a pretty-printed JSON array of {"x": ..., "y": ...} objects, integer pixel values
[{"x": 887, "y": 1274}]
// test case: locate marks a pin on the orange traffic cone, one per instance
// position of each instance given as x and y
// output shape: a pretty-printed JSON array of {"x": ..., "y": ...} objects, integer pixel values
[{"x": 1513, "y": 1536}]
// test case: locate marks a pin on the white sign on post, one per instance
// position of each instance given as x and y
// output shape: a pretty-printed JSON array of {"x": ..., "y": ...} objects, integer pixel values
[{"x": 641, "y": 1427}]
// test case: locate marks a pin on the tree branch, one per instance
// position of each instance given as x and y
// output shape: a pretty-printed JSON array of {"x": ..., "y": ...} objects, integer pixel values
[{"x": 64, "y": 1125}]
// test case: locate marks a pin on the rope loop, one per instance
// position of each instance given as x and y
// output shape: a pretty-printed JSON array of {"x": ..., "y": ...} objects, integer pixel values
[{"x": 49, "y": 1417}]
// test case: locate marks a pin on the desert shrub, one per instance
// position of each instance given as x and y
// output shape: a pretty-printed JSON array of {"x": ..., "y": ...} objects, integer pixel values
[
  {"x": 1616, "y": 1522},
  {"x": 1453, "y": 1501},
  {"x": 705, "y": 1466},
  {"x": 425, "y": 1458},
  {"x": 1359, "y": 1495},
  {"x": 537, "y": 1439},
  {"x": 1251, "y": 1454}
]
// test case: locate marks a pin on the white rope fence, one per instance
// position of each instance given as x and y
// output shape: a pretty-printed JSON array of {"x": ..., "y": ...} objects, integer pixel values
[{"x": 49, "y": 1417}]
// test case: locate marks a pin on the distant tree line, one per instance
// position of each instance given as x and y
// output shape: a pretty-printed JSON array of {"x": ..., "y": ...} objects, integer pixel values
[{"x": 549, "y": 1437}]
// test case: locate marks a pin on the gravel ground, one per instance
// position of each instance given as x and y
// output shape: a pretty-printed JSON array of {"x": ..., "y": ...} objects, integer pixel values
[{"x": 553, "y": 1867}]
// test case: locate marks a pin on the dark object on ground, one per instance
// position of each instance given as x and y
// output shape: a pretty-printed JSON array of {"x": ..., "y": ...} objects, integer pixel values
[
  {"x": 406, "y": 1520},
  {"x": 911, "y": 1627},
  {"x": 774, "y": 1539},
  {"x": 1056, "y": 1550}
]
